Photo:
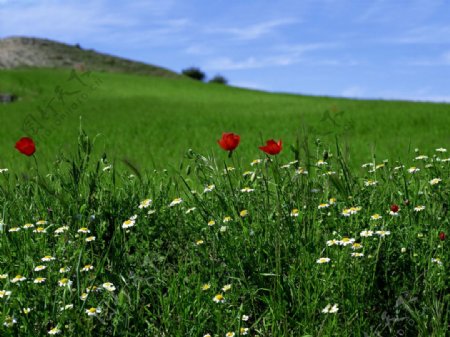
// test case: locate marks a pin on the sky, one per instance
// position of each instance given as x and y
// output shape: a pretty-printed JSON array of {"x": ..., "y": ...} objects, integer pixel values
[{"x": 388, "y": 49}]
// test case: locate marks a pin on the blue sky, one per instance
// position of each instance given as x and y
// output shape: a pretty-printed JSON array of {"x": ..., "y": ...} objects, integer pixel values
[{"x": 353, "y": 48}]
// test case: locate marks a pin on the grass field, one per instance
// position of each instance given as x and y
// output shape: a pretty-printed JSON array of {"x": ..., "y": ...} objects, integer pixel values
[
  {"x": 338, "y": 242},
  {"x": 152, "y": 121}
]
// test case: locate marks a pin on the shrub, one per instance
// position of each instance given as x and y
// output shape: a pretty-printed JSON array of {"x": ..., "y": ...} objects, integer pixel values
[
  {"x": 194, "y": 73},
  {"x": 219, "y": 79}
]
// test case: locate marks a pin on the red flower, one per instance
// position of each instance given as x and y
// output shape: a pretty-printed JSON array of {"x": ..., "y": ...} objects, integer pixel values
[
  {"x": 394, "y": 208},
  {"x": 26, "y": 146},
  {"x": 442, "y": 236},
  {"x": 272, "y": 147},
  {"x": 229, "y": 141}
]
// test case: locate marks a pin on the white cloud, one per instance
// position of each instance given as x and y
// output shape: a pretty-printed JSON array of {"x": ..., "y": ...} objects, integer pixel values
[{"x": 255, "y": 31}]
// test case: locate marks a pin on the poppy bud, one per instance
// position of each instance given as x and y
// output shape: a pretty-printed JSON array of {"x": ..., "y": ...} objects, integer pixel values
[
  {"x": 394, "y": 208},
  {"x": 441, "y": 236}
]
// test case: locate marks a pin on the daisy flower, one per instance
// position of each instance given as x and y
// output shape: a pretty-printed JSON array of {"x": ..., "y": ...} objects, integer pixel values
[
  {"x": 413, "y": 170},
  {"x": 323, "y": 260},
  {"x": 93, "y": 311},
  {"x": 109, "y": 286},
  {"x": 199, "y": 242},
  {"x": 209, "y": 188},
  {"x": 294, "y": 212},
  {"x": 90, "y": 239},
  {"x": 383, "y": 233},
  {"x": 14, "y": 229},
  {"x": 84, "y": 230},
  {"x": 357, "y": 254},
  {"x": 230, "y": 334},
  {"x": 255, "y": 162},
  {"x": 435, "y": 181},
  {"x": 175, "y": 202},
  {"x": 226, "y": 219},
  {"x": 370, "y": 183},
  {"x": 145, "y": 203},
  {"x": 206, "y": 286},
  {"x": 247, "y": 190},
  {"x": 243, "y": 213},
  {"x": 330, "y": 309},
  {"x": 441, "y": 149},
  {"x": 211, "y": 223},
  {"x": 54, "y": 331},
  {"x": 87, "y": 267},
  {"x": 28, "y": 225},
  {"x": 366, "y": 233},
  {"x": 4, "y": 293},
  {"x": 65, "y": 282},
  {"x": 18, "y": 278},
  {"x": 321, "y": 206},
  {"x": 128, "y": 223},
  {"x": 39, "y": 280},
  {"x": 219, "y": 298},
  {"x": 39, "y": 268},
  {"x": 47, "y": 258},
  {"x": 376, "y": 216},
  {"x": 419, "y": 208},
  {"x": 226, "y": 287},
  {"x": 437, "y": 261}
]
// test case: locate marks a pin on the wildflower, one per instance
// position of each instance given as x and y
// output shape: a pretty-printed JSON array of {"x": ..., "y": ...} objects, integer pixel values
[
  {"x": 366, "y": 233},
  {"x": 435, "y": 181},
  {"x": 39, "y": 280},
  {"x": 350, "y": 211},
  {"x": 84, "y": 230},
  {"x": 47, "y": 258},
  {"x": 243, "y": 213},
  {"x": 356, "y": 246},
  {"x": 109, "y": 286},
  {"x": 54, "y": 331},
  {"x": 3, "y": 276},
  {"x": 294, "y": 212},
  {"x": 18, "y": 278},
  {"x": 332, "y": 242},
  {"x": 207, "y": 335},
  {"x": 211, "y": 223},
  {"x": 383, "y": 233},
  {"x": 227, "y": 219},
  {"x": 323, "y": 260},
  {"x": 437, "y": 261},
  {"x": 419, "y": 208},
  {"x": 209, "y": 188},
  {"x": 28, "y": 225},
  {"x": 370, "y": 182},
  {"x": 40, "y": 230},
  {"x": 421, "y": 157},
  {"x": 255, "y": 162},
  {"x": 219, "y": 298},
  {"x": 247, "y": 173},
  {"x": 63, "y": 270},
  {"x": 145, "y": 203},
  {"x": 61, "y": 230},
  {"x": 87, "y": 267},
  {"x": 67, "y": 307},
  {"x": 83, "y": 296},
  {"x": 90, "y": 239},
  {"x": 229, "y": 334},
  {"x": 199, "y": 242},
  {"x": 4, "y": 293},
  {"x": 223, "y": 229},
  {"x": 26, "y": 311},
  {"x": 367, "y": 165},
  {"x": 92, "y": 288},
  {"x": 413, "y": 170},
  {"x": 243, "y": 331},
  {"x": 330, "y": 309},
  {"x": 357, "y": 254},
  {"x": 332, "y": 201},
  {"x": 107, "y": 168},
  {"x": 175, "y": 201},
  {"x": 229, "y": 141},
  {"x": 93, "y": 311},
  {"x": 441, "y": 236},
  {"x": 128, "y": 223},
  {"x": 226, "y": 287},
  {"x": 39, "y": 268},
  {"x": 245, "y": 318},
  {"x": 403, "y": 250},
  {"x": 379, "y": 166},
  {"x": 3, "y": 170},
  {"x": 9, "y": 321},
  {"x": 26, "y": 146},
  {"x": 300, "y": 171},
  {"x": 321, "y": 206},
  {"x": 441, "y": 149},
  {"x": 189, "y": 210},
  {"x": 206, "y": 286},
  {"x": 272, "y": 147},
  {"x": 65, "y": 282},
  {"x": 247, "y": 190},
  {"x": 41, "y": 222},
  {"x": 345, "y": 241}
]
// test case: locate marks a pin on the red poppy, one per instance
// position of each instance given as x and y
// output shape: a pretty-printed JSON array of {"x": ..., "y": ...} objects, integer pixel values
[
  {"x": 229, "y": 141},
  {"x": 394, "y": 208},
  {"x": 272, "y": 147},
  {"x": 26, "y": 146},
  {"x": 442, "y": 236}
]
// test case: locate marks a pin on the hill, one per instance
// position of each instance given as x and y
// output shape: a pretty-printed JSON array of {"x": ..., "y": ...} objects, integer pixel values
[
  {"x": 18, "y": 52},
  {"x": 152, "y": 121}
]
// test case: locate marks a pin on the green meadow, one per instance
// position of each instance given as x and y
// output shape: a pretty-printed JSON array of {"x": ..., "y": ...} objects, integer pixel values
[
  {"x": 152, "y": 121},
  {"x": 130, "y": 220}
]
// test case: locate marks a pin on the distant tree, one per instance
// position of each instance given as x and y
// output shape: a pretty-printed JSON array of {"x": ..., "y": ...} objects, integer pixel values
[
  {"x": 194, "y": 73},
  {"x": 219, "y": 79}
]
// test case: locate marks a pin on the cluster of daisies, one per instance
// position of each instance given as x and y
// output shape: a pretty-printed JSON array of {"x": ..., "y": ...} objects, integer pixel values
[{"x": 40, "y": 271}]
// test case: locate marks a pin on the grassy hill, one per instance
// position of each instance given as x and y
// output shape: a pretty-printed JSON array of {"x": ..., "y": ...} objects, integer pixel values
[{"x": 152, "y": 121}]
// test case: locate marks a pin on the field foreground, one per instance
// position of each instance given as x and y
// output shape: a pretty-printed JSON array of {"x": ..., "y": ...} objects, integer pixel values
[{"x": 308, "y": 247}]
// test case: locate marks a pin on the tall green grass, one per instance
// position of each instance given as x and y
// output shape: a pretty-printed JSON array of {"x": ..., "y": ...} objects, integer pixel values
[
  {"x": 253, "y": 233},
  {"x": 151, "y": 121}
]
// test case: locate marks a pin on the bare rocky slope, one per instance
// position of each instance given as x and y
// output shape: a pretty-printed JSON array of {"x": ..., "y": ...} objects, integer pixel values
[{"x": 17, "y": 52}]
